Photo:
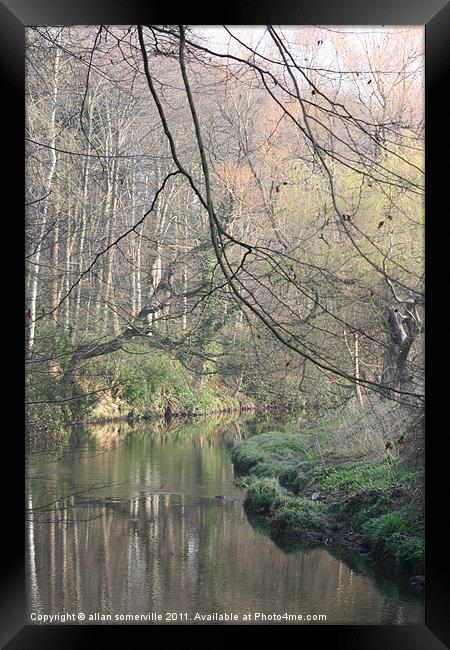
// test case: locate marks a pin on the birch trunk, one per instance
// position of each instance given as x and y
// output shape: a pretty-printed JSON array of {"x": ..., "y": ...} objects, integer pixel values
[
  {"x": 35, "y": 259},
  {"x": 83, "y": 212}
]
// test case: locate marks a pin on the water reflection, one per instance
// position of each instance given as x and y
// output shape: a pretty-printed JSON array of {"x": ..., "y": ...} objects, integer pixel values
[{"x": 154, "y": 537}]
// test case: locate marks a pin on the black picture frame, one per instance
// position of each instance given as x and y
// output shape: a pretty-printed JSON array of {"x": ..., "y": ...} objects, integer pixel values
[{"x": 435, "y": 16}]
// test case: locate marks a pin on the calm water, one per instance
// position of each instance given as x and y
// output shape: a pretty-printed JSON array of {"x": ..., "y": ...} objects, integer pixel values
[{"x": 143, "y": 533}]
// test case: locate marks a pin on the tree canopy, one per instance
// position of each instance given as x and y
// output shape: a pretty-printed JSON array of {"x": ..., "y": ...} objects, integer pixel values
[{"x": 248, "y": 200}]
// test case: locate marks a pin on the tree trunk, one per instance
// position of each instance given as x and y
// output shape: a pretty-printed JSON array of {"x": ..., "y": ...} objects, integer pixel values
[
  {"x": 403, "y": 328},
  {"x": 35, "y": 259},
  {"x": 83, "y": 215}
]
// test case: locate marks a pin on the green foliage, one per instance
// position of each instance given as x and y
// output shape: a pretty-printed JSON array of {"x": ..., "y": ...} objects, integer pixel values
[
  {"x": 355, "y": 476},
  {"x": 83, "y": 403},
  {"x": 265, "y": 495},
  {"x": 268, "y": 454},
  {"x": 52, "y": 342},
  {"x": 369, "y": 505},
  {"x": 397, "y": 534},
  {"x": 408, "y": 551},
  {"x": 44, "y": 398},
  {"x": 380, "y": 528},
  {"x": 144, "y": 380},
  {"x": 299, "y": 517},
  {"x": 350, "y": 477},
  {"x": 139, "y": 379},
  {"x": 45, "y": 391},
  {"x": 151, "y": 381}
]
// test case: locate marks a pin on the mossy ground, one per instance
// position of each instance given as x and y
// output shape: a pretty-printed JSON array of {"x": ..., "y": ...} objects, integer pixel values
[{"x": 365, "y": 501}]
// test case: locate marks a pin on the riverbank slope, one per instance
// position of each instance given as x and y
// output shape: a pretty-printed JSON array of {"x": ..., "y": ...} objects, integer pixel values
[{"x": 370, "y": 503}]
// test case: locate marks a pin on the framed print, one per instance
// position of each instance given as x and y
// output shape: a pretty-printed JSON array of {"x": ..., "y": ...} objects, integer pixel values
[{"x": 230, "y": 418}]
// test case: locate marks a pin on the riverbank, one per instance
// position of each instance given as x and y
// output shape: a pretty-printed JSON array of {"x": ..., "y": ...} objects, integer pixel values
[
  {"x": 366, "y": 503},
  {"x": 145, "y": 496},
  {"x": 41, "y": 435}
]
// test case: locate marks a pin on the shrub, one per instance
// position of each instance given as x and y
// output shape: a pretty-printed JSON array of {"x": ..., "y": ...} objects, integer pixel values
[
  {"x": 398, "y": 535},
  {"x": 379, "y": 529},
  {"x": 265, "y": 495},
  {"x": 408, "y": 551}
]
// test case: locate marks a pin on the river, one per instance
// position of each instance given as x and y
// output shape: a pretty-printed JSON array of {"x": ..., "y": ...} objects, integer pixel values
[{"x": 143, "y": 533}]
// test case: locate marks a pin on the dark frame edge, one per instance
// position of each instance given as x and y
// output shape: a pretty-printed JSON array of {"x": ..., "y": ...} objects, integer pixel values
[
  {"x": 12, "y": 66},
  {"x": 437, "y": 608}
]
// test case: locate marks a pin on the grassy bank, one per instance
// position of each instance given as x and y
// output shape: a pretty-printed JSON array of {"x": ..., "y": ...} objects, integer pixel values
[{"x": 361, "y": 502}]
